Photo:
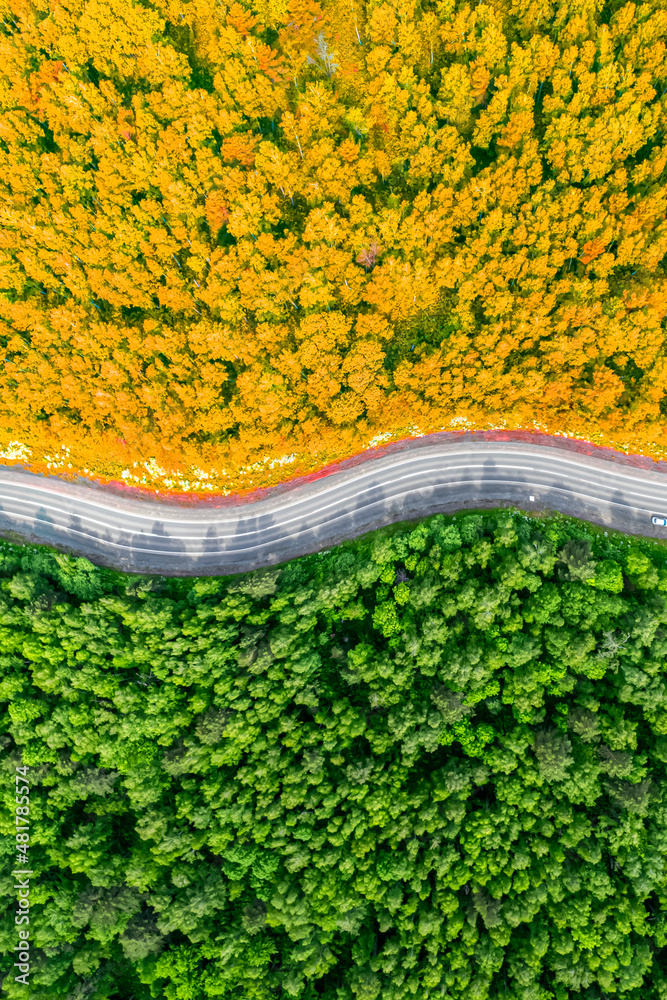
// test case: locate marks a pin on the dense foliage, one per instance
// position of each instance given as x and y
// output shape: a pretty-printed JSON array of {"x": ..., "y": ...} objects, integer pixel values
[
  {"x": 429, "y": 763},
  {"x": 232, "y": 233}
]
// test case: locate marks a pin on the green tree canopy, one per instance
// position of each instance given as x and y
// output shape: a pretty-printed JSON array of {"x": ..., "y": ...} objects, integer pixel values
[{"x": 298, "y": 784}]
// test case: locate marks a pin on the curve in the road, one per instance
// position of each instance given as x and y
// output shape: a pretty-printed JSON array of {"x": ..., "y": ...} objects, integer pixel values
[{"x": 153, "y": 537}]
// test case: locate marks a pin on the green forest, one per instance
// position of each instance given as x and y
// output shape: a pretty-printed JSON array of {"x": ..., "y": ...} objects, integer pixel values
[{"x": 428, "y": 763}]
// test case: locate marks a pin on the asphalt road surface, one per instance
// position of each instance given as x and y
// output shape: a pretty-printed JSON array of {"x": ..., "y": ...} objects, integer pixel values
[{"x": 146, "y": 536}]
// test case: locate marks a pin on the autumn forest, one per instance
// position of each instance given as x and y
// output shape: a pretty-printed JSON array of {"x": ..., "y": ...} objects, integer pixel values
[{"x": 260, "y": 237}]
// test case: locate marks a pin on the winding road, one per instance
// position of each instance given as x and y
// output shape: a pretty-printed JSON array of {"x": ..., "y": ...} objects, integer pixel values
[{"x": 146, "y": 536}]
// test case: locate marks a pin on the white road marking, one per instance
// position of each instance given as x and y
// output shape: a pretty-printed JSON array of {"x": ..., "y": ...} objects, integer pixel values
[{"x": 313, "y": 512}]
